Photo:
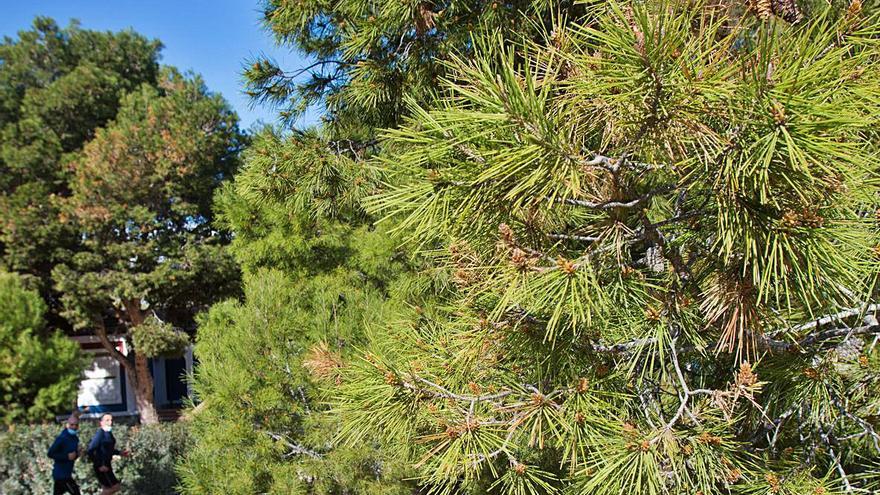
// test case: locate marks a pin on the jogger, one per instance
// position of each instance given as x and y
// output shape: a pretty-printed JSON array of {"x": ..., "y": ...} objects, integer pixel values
[
  {"x": 101, "y": 450},
  {"x": 64, "y": 451}
]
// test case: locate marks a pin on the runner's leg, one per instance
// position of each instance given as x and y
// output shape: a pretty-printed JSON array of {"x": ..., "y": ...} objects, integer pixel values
[
  {"x": 72, "y": 487},
  {"x": 65, "y": 486}
]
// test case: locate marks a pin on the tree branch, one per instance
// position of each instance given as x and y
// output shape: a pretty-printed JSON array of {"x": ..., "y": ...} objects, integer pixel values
[
  {"x": 295, "y": 449},
  {"x": 447, "y": 394},
  {"x": 819, "y": 337},
  {"x": 607, "y": 205},
  {"x": 837, "y": 317},
  {"x": 572, "y": 237},
  {"x": 101, "y": 333}
]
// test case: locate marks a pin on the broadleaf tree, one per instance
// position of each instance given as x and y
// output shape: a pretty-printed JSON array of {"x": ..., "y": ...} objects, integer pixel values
[
  {"x": 109, "y": 164},
  {"x": 57, "y": 87}
]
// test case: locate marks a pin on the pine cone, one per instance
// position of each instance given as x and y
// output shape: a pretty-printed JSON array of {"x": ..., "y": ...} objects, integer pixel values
[
  {"x": 763, "y": 8},
  {"x": 850, "y": 349},
  {"x": 787, "y": 10}
]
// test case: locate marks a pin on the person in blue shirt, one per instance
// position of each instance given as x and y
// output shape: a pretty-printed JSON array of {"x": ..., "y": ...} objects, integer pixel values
[
  {"x": 64, "y": 451},
  {"x": 101, "y": 450}
]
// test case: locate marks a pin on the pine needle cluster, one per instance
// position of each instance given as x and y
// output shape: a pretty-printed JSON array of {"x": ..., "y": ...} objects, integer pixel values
[{"x": 657, "y": 235}]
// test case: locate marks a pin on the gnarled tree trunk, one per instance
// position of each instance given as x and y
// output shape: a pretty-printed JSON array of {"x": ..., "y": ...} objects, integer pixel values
[
  {"x": 143, "y": 384},
  {"x": 137, "y": 370}
]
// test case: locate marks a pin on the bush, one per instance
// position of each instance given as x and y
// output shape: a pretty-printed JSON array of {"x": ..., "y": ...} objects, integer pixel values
[
  {"x": 39, "y": 369},
  {"x": 26, "y": 470}
]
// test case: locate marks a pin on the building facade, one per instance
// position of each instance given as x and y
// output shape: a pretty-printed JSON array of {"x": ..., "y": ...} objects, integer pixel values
[{"x": 104, "y": 388}]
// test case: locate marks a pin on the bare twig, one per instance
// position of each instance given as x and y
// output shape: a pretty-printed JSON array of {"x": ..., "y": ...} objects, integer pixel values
[
  {"x": 447, "y": 394},
  {"x": 572, "y": 237},
  {"x": 607, "y": 205},
  {"x": 846, "y": 313},
  {"x": 819, "y": 337},
  {"x": 295, "y": 449}
]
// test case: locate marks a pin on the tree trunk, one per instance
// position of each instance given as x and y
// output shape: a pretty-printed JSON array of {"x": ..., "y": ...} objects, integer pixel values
[
  {"x": 143, "y": 390},
  {"x": 143, "y": 381},
  {"x": 137, "y": 370}
]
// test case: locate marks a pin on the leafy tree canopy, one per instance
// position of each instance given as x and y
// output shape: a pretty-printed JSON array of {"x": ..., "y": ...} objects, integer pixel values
[
  {"x": 108, "y": 165},
  {"x": 141, "y": 195},
  {"x": 57, "y": 87},
  {"x": 140, "y": 198}
]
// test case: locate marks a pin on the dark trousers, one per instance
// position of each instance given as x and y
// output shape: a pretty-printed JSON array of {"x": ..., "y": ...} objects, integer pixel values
[{"x": 66, "y": 486}]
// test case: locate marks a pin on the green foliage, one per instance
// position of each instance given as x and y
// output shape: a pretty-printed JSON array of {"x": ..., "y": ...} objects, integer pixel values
[
  {"x": 155, "y": 338},
  {"x": 108, "y": 166},
  {"x": 39, "y": 370},
  {"x": 261, "y": 427},
  {"x": 651, "y": 243},
  {"x": 370, "y": 57},
  {"x": 659, "y": 228},
  {"x": 140, "y": 197},
  {"x": 141, "y": 191},
  {"x": 26, "y": 470},
  {"x": 315, "y": 273},
  {"x": 57, "y": 86}
]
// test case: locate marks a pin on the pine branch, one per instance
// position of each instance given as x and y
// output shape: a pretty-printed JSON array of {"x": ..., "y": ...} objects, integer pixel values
[
  {"x": 867, "y": 430},
  {"x": 295, "y": 74},
  {"x": 819, "y": 338},
  {"x": 441, "y": 392},
  {"x": 295, "y": 449},
  {"x": 624, "y": 346},
  {"x": 846, "y": 313},
  {"x": 101, "y": 332},
  {"x": 572, "y": 237},
  {"x": 342, "y": 146},
  {"x": 613, "y": 165},
  {"x": 685, "y": 395},
  {"x": 607, "y": 205},
  {"x": 835, "y": 458}
]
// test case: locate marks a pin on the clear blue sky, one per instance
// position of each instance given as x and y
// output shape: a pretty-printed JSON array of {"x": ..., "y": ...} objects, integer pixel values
[{"x": 210, "y": 37}]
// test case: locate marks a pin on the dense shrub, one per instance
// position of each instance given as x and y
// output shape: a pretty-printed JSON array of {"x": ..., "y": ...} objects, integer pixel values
[
  {"x": 40, "y": 368},
  {"x": 26, "y": 470}
]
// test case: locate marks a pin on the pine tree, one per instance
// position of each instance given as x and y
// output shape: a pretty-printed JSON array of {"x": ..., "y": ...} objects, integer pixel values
[
  {"x": 315, "y": 272},
  {"x": 369, "y": 57},
  {"x": 39, "y": 368},
  {"x": 140, "y": 201},
  {"x": 57, "y": 86},
  {"x": 660, "y": 231}
]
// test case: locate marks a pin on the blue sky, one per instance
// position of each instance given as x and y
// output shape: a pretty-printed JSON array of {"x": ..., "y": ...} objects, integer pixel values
[{"x": 210, "y": 37}]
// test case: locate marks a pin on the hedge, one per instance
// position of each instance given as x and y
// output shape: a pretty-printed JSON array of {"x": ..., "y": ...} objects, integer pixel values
[{"x": 26, "y": 470}]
